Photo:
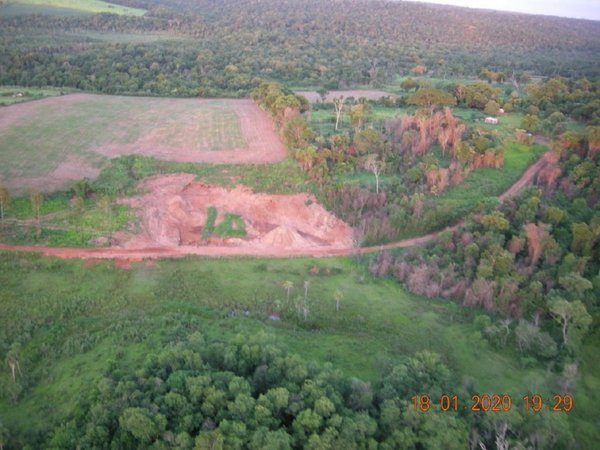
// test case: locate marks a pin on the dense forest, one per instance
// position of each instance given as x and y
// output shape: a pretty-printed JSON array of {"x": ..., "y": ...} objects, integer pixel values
[
  {"x": 535, "y": 259},
  {"x": 211, "y": 48}
]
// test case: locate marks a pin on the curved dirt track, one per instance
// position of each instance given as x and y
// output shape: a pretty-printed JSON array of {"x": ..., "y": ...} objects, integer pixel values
[{"x": 134, "y": 254}]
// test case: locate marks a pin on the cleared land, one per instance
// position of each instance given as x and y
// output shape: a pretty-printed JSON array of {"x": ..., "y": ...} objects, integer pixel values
[
  {"x": 313, "y": 96},
  {"x": 48, "y": 143},
  {"x": 88, "y": 6},
  {"x": 11, "y": 95},
  {"x": 167, "y": 216},
  {"x": 175, "y": 208}
]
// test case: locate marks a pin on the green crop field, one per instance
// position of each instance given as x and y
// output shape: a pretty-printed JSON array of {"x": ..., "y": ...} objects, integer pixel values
[
  {"x": 86, "y": 129},
  {"x": 108, "y": 314},
  {"x": 65, "y": 7}
]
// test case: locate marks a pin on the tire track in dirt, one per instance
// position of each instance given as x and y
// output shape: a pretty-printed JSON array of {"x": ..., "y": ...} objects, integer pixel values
[{"x": 138, "y": 254}]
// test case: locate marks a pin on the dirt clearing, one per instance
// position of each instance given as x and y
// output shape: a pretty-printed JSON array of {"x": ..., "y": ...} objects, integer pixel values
[
  {"x": 174, "y": 213},
  {"x": 48, "y": 143}
]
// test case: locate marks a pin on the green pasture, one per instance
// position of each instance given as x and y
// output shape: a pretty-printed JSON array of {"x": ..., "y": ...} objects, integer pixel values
[
  {"x": 20, "y": 9},
  {"x": 74, "y": 319},
  {"x": 485, "y": 183},
  {"x": 38, "y": 142},
  {"x": 124, "y": 38},
  {"x": 323, "y": 120},
  {"x": 56, "y": 7}
]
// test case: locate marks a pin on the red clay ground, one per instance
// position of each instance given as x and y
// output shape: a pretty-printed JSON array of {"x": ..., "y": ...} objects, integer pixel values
[
  {"x": 313, "y": 96},
  {"x": 334, "y": 248},
  {"x": 173, "y": 213}
]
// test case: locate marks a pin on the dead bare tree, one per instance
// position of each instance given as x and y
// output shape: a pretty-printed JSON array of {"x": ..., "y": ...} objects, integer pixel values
[
  {"x": 12, "y": 360},
  {"x": 374, "y": 165},
  {"x": 338, "y": 104}
]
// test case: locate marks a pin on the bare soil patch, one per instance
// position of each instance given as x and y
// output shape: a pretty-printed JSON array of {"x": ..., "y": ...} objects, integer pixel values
[
  {"x": 188, "y": 142},
  {"x": 313, "y": 96},
  {"x": 45, "y": 144},
  {"x": 131, "y": 253},
  {"x": 72, "y": 169},
  {"x": 174, "y": 211}
]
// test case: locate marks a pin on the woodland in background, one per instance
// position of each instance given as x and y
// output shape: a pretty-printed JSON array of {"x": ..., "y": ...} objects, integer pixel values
[{"x": 222, "y": 48}]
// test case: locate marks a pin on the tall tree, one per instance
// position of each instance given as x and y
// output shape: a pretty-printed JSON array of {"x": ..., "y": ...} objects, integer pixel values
[
  {"x": 288, "y": 285},
  {"x": 338, "y": 104},
  {"x": 374, "y": 165},
  {"x": 431, "y": 99},
  {"x": 338, "y": 296},
  {"x": 106, "y": 204},
  {"x": 37, "y": 199},
  {"x": 4, "y": 201},
  {"x": 12, "y": 360},
  {"x": 359, "y": 114},
  {"x": 573, "y": 318}
]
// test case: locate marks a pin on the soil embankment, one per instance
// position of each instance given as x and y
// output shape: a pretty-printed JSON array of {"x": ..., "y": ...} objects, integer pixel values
[{"x": 334, "y": 249}]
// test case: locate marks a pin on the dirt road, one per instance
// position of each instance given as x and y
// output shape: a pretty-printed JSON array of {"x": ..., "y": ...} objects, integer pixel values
[{"x": 135, "y": 254}]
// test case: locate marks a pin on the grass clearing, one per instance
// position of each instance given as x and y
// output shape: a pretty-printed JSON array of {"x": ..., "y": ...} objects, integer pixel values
[
  {"x": 68, "y": 138},
  {"x": 488, "y": 182},
  {"x": 106, "y": 313},
  {"x": 86, "y": 6},
  {"x": 10, "y": 95},
  {"x": 125, "y": 38}
]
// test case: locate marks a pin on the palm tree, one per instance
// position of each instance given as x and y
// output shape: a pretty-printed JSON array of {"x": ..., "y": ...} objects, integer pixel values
[
  {"x": 338, "y": 296},
  {"x": 288, "y": 285},
  {"x": 305, "y": 309},
  {"x": 106, "y": 204}
]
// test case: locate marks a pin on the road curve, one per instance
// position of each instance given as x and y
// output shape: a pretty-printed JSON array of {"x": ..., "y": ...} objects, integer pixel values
[{"x": 221, "y": 251}]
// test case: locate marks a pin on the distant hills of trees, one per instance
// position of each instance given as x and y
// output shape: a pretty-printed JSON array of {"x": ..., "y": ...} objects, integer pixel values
[{"x": 224, "y": 47}]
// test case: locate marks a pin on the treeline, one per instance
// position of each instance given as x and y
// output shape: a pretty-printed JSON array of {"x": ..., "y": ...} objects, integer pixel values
[
  {"x": 534, "y": 259},
  {"x": 247, "y": 393},
  {"x": 332, "y": 44}
]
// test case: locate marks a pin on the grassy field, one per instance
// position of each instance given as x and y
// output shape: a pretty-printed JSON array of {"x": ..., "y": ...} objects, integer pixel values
[
  {"x": 125, "y": 38},
  {"x": 323, "y": 120},
  {"x": 73, "y": 319},
  {"x": 54, "y": 7},
  {"x": 53, "y": 133},
  {"x": 486, "y": 183},
  {"x": 62, "y": 224}
]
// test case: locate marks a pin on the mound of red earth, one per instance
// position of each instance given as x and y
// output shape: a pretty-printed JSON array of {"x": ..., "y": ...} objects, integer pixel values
[{"x": 173, "y": 212}]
